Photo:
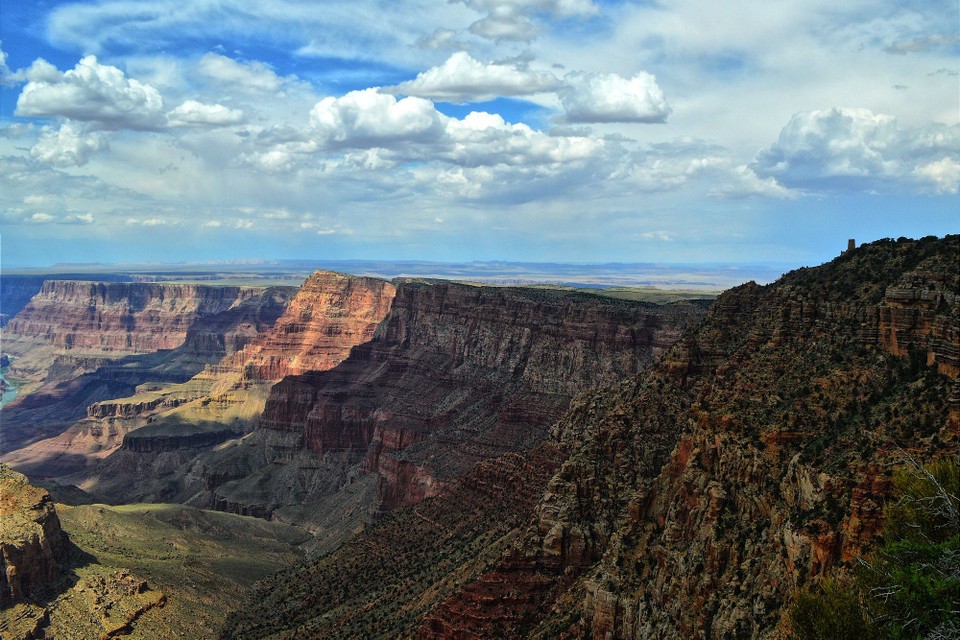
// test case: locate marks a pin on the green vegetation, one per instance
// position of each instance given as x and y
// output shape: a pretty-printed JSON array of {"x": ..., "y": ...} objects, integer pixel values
[
  {"x": 910, "y": 588},
  {"x": 202, "y": 561}
]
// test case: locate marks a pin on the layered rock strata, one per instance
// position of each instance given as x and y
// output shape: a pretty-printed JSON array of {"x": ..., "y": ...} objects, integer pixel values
[
  {"x": 330, "y": 314},
  {"x": 216, "y": 322},
  {"x": 123, "y": 317},
  {"x": 455, "y": 375}
]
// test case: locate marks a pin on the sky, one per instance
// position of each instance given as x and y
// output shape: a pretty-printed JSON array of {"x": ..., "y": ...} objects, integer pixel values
[{"x": 742, "y": 131}]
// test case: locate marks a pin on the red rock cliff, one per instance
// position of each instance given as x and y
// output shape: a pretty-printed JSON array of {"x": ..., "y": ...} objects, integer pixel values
[
  {"x": 122, "y": 317},
  {"x": 330, "y": 314},
  {"x": 459, "y": 373}
]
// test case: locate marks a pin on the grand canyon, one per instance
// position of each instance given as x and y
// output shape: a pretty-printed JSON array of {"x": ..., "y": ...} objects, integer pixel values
[
  {"x": 479, "y": 319},
  {"x": 359, "y": 457}
]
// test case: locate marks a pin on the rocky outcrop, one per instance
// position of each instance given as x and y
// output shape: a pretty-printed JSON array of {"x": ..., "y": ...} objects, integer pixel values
[
  {"x": 913, "y": 318},
  {"x": 455, "y": 375},
  {"x": 33, "y": 547},
  {"x": 331, "y": 313}
]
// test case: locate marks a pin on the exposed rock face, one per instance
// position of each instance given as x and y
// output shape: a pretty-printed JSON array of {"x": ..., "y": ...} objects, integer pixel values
[
  {"x": 127, "y": 317},
  {"x": 789, "y": 417},
  {"x": 33, "y": 546},
  {"x": 214, "y": 323},
  {"x": 329, "y": 315},
  {"x": 689, "y": 502},
  {"x": 912, "y": 318},
  {"x": 455, "y": 375}
]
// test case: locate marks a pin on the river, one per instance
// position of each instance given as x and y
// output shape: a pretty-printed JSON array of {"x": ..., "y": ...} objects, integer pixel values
[{"x": 9, "y": 389}]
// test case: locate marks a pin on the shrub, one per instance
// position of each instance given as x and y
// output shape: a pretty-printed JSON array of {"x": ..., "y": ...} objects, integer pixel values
[
  {"x": 910, "y": 588},
  {"x": 830, "y": 611}
]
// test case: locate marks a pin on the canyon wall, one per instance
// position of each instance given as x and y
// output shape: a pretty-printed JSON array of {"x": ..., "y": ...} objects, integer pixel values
[
  {"x": 16, "y": 290},
  {"x": 124, "y": 317},
  {"x": 455, "y": 375},
  {"x": 331, "y": 313},
  {"x": 688, "y": 502},
  {"x": 166, "y": 427},
  {"x": 77, "y": 344}
]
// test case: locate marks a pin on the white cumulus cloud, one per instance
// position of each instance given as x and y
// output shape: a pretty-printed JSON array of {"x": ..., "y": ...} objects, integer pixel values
[
  {"x": 90, "y": 92},
  {"x": 944, "y": 174},
  {"x": 369, "y": 118},
  {"x": 847, "y": 147},
  {"x": 608, "y": 97},
  {"x": 196, "y": 114},
  {"x": 484, "y": 139},
  {"x": 68, "y": 145},
  {"x": 463, "y": 78}
]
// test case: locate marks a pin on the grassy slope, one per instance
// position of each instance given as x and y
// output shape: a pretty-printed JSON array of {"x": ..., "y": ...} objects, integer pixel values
[{"x": 201, "y": 560}]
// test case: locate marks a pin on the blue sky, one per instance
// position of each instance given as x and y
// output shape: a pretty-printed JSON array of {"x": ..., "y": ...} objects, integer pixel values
[{"x": 529, "y": 130}]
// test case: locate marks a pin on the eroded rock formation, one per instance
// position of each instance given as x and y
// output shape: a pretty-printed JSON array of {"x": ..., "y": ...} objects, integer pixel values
[
  {"x": 330, "y": 314},
  {"x": 92, "y": 363},
  {"x": 455, "y": 375},
  {"x": 33, "y": 547},
  {"x": 125, "y": 317}
]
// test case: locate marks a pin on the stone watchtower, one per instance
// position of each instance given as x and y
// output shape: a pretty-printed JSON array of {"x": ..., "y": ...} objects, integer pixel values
[{"x": 851, "y": 245}]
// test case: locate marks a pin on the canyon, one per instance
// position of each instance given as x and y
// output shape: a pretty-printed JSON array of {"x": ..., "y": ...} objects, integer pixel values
[
  {"x": 77, "y": 343},
  {"x": 691, "y": 501},
  {"x": 474, "y": 461},
  {"x": 227, "y": 344}
]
